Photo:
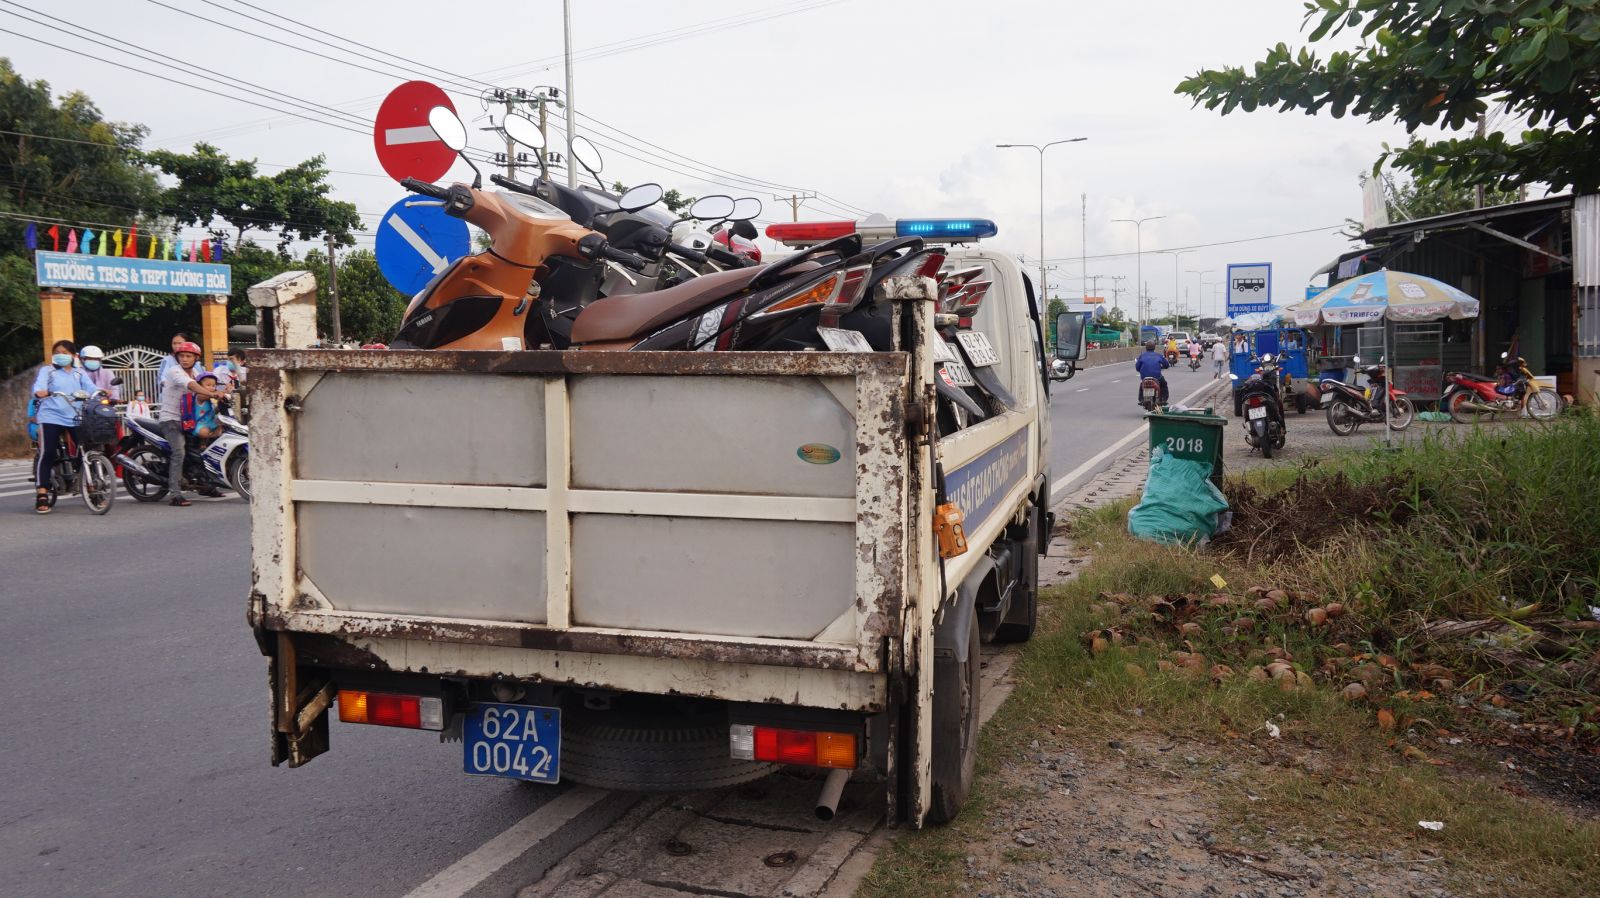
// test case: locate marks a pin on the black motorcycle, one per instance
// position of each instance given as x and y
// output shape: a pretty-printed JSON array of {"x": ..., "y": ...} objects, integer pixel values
[
  {"x": 1349, "y": 407},
  {"x": 1261, "y": 401}
]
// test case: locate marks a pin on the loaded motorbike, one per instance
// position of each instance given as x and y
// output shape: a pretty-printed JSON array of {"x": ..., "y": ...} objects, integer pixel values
[
  {"x": 1471, "y": 396},
  {"x": 1261, "y": 400},
  {"x": 145, "y": 455},
  {"x": 1349, "y": 407}
]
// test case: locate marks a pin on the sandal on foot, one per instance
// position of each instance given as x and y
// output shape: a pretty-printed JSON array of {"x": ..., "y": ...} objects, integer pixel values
[
  {"x": 179, "y": 502},
  {"x": 41, "y": 503}
]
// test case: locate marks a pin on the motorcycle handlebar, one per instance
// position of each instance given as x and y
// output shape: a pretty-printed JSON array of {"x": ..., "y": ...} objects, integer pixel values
[
  {"x": 693, "y": 255},
  {"x": 511, "y": 184},
  {"x": 623, "y": 257},
  {"x": 426, "y": 189},
  {"x": 725, "y": 257}
]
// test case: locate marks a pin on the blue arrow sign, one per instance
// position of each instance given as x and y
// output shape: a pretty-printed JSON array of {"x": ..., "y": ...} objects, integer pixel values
[{"x": 417, "y": 240}]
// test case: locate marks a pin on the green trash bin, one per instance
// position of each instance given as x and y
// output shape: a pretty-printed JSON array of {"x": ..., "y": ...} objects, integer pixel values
[{"x": 1194, "y": 435}]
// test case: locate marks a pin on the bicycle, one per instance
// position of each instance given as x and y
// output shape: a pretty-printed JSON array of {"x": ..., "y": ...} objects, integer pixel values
[{"x": 87, "y": 472}]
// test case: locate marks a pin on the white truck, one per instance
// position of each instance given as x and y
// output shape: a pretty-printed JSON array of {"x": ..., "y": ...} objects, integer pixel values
[{"x": 652, "y": 570}]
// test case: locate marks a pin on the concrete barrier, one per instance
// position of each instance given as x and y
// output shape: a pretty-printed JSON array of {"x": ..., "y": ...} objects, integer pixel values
[{"x": 1098, "y": 357}]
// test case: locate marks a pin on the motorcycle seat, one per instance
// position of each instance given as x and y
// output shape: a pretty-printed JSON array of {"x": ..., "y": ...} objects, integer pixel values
[
  {"x": 636, "y": 314},
  {"x": 146, "y": 423},
  {"x": 1477, "y": 377}
]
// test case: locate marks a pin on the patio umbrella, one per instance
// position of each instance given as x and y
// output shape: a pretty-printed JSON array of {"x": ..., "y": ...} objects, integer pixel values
[{"x": 1394, "y": 295}]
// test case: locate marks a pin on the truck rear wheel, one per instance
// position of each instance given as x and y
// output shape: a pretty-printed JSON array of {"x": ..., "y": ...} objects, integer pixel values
[
  {"x": 956, "y": 691},
  {"x": 1023, "y": 615},
  {"x": 652, "y": 751}
]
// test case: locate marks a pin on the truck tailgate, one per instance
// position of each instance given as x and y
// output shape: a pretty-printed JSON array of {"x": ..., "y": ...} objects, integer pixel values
[{"x": 748, "y": 508}]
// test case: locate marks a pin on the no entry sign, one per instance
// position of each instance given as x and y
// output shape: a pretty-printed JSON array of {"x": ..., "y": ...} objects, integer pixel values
[{"x": 407, "y": 147}]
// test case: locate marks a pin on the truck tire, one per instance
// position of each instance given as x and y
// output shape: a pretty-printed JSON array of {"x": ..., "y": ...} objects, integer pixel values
[
  {"x": 957, "y": 688},
  {"x": 652, "y": 752}
]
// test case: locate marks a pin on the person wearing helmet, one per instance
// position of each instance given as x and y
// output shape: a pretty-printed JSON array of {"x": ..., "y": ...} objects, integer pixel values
[
  {"x": 93, "y": 360},
  {"x": 179, "y": 381},
  {"x": 1151, "y": 363}
]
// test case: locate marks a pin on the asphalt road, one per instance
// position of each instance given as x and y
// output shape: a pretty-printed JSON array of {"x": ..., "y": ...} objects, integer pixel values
[{"x": 136, "y": 718}]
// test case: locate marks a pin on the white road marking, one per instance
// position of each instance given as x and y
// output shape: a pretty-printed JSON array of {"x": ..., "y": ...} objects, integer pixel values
[
  {"x": 1117, "y": 381},
  {"x": 435, "y": 260},
  {"x": 464, "y": 875},
  {"x": 1063, "y": 484},
  {"x": 416, "y": 134}
]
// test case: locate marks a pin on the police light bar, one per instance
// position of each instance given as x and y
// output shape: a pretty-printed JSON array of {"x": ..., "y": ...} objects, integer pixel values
[{"x": 942, "y": 230}]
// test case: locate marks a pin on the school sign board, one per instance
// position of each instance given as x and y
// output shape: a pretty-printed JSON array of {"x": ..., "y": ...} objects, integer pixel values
[
  {"x": 89, "y": 272},
  {"x": 1249, "y": 288}
]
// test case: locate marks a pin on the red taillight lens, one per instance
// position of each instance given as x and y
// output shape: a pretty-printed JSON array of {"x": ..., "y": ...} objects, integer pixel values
[
  {"x": 804, "y": 747},
  {"x": 803, "y": 231},
  {"x": 1255, "y": 402},
  {"x": 820, "y": 293},
  {"x": 931, "y": 263},
  {"x": 385, "y": 709},
  {"x": 854, "y": 280}
]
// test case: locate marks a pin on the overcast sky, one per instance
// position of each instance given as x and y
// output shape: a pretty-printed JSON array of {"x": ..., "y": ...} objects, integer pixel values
[{"x": 891, "y": 106}]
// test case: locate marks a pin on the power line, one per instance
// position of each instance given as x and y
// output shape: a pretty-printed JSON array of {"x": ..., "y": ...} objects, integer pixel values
[
  {"x": 1202, "y": 245},
  {"x": 186, "y": 68}
]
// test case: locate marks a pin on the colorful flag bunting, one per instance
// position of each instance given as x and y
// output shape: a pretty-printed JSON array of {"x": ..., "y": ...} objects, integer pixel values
[
  {"x": 88, "y": 241},
  {"x": 194, "y": 251},
  {"x": 154, "y": 242},
  {"x": 132, "y": 249},
  {"x": 105, "y": 244},
  {"x": 216, "y": 250},
  {"x": 31, "y": 236},
  {"x": 72, "y": 241}
]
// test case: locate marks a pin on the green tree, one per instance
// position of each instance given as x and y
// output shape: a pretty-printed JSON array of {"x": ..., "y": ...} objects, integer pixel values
[
  {"x": 369, "y": 308},
  {"x": 293, "y": 202},
  {"x": 674, "y": 201},
  {"x": 65, "y": 165},
  {"x": 1053, "y": 308},
  {"x": 1443, "y": 63}
]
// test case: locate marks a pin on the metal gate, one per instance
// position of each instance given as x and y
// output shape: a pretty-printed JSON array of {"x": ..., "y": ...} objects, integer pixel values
[{"x": 138, "y": 367}]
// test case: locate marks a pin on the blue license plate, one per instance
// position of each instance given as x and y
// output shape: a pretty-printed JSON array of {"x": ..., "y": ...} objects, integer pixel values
[{"x": 519, "y": 741}]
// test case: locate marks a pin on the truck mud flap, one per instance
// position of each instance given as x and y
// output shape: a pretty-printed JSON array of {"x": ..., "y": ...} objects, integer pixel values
[{"x": 300, "y": 701}]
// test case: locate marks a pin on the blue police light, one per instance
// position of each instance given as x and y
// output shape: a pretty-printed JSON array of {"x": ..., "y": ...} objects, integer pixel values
[{"x": 946, "y": 228}]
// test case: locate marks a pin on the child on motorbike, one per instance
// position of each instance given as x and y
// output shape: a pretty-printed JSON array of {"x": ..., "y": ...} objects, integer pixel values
[{"x": 206, "y": 425}]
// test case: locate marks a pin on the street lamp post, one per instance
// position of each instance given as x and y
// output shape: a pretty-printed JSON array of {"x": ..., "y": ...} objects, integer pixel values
[
  {"x": 1044, "y": 298},
  {"x": 1176, "y": 288},
  {"x": 1138, "y": 268},
  {"x": 1199, "y": 298}
]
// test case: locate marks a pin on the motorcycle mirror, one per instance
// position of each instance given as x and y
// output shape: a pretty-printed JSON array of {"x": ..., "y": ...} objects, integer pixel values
[
  {"x": 523, "y": 130},
  {"x": 744, "y": 209},
  {"x": 712, "y": 208},
  {"x": 745, "y": 229},
  {"x": 449, "y": 128},
  {"x": 641, "y": 197},
  {"x": 588, "y": 155}
]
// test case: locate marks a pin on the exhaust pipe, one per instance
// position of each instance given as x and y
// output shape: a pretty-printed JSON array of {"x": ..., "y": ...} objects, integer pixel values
[
  {"x": 832, "y": 790},
  {"x": 129, "y": 464}
]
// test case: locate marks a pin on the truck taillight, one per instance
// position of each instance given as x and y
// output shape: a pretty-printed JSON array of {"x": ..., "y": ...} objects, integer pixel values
[
  {"x": 803, "y": 747},
  {"x": 385, "y": 709}
]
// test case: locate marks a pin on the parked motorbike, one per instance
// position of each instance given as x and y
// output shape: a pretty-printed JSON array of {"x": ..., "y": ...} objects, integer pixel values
[
  {"x": 146, "y": 453},
  {"x": 1349, "y": 407},
  {"x": 1262, "y": 403},
  {"x": 1471, "y": 396}
]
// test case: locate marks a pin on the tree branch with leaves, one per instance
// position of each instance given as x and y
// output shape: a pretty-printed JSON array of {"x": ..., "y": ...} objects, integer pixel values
[{"x": 1445, "y": 63}]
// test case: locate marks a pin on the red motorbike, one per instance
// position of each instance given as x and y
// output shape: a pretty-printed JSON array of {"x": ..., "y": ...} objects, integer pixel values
[
  {"x": 1470, "y": 396},
  {"x": 1349, "y": 407}
]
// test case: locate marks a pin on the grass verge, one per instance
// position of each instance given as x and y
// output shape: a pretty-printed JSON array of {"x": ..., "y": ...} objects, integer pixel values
[{"x": 1498, "y": 532}]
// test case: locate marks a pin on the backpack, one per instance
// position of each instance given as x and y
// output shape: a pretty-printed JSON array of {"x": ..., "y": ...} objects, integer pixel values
[
  {"x": 187, "y": 411},
  {"x": 33, "y": 420}
]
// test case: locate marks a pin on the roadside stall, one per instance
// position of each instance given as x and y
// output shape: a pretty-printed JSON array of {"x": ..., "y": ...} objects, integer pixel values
[
  {"x": 1257, "y": 334},
  {"x": 1399, "y": 316}
]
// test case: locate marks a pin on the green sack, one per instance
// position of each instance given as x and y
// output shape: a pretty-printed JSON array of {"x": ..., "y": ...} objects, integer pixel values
[
  {"x": 1180, "y": 504},
  {"x": 1436, "y": 417}
]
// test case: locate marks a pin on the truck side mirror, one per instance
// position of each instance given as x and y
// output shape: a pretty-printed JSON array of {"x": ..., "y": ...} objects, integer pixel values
[{"x": 1072, "y": 336}]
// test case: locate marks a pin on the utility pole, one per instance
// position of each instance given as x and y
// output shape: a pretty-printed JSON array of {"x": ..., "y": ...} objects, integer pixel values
[
  {"x": 794, "y": 201},
  {"x": 333, "y": 292},
  {"x": 566, "y": 23},
  {"x": 1083, "y": 232}
]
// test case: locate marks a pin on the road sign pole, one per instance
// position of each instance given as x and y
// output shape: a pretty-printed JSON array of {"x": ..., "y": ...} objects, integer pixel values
[{"x": 566, "y": 21}]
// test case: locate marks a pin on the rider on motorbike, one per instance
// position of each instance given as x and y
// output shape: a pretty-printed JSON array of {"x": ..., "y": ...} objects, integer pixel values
[{"x": 1151, "y": 363}]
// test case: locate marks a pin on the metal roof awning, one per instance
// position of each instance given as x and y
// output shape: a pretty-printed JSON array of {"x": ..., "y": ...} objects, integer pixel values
[{"x": 1477, "y": 220}]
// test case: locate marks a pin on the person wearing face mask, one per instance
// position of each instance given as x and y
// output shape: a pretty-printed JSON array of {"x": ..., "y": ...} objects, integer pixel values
[
  {"x": 138, "y": 407},
  {"x": 93, "y": 361},
  {"x": 56, "y": 416}
]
